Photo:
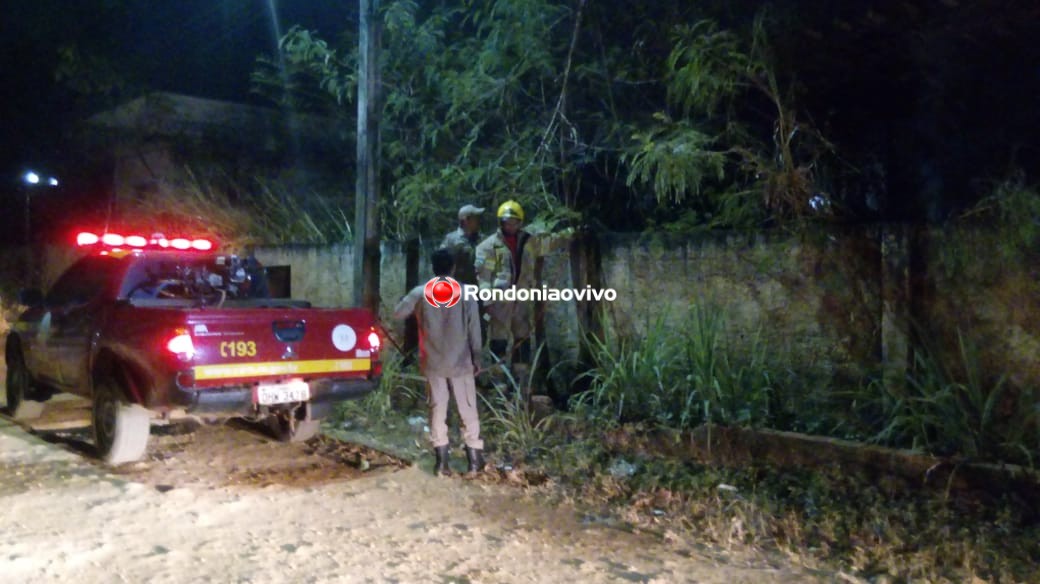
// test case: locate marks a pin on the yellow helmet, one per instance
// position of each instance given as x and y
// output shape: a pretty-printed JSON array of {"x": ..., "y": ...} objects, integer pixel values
[{"x": 510, "y": 210}]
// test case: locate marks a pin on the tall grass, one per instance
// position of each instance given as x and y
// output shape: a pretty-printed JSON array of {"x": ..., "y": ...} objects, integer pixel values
[
  {"x": 948, "y": 408},
  {"x": 679, "y": 376},
  {"x": 733, "y": 385},
  {"x": 631, "y": 378},
  {"x": 266, "y": 211},
  {"x": 400, "y": 388},
  {"x": 509, "y": 419}
]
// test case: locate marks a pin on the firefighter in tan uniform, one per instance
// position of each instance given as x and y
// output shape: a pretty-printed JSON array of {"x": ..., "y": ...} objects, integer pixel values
[
  {"x": 449, "y": 357},
  {"x": 501, "y": 263}
]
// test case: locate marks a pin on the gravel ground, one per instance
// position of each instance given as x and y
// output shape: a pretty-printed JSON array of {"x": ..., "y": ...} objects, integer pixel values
[{"x": 226, "y": 504}]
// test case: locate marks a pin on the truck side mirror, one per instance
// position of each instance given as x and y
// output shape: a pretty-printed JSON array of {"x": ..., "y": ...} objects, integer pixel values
[{"x": 31, "y": 297}]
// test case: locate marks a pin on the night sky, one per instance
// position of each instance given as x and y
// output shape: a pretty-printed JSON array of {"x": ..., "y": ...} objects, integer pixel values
[{"x": 204, "y": 48}]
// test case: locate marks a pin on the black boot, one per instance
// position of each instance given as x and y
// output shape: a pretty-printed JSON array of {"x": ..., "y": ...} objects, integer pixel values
[
  {"x": 476, "y": 460},
  {"x": 441, "y": 468}
]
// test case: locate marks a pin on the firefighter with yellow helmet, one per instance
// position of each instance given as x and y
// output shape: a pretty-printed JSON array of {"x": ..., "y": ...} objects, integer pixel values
[{"x": 500, "y": 263}]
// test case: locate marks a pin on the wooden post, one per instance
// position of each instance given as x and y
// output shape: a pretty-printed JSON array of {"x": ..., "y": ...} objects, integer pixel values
[
  {"x": 411, "y": 280},
  {"x": 366, "y": 211},
  {"x": 896, "y": 301}
]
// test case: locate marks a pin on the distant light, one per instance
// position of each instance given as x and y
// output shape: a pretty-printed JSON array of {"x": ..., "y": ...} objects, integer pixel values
[
  {"x": 819, "y": 202},
  {"x": 52, "y": 181},
  {"x": 31, "y": 178}
]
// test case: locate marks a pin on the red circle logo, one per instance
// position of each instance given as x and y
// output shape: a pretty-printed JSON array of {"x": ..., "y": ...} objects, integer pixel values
[{"x": 442, "y": 292}]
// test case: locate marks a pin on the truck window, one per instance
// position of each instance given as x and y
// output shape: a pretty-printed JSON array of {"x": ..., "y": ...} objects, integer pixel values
[
  {"x": 183, "y": 277},
  {"x": 86, "y": 280}
]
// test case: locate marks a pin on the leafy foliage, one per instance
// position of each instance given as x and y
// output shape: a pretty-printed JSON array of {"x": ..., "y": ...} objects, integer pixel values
[
  {"x": 676, "y": 159},
  {"x": 714, "y": 80},
  {"x": 401, "y": 389},
  {"x": 1014, "y": 205},
  {"x": 467, "y": 97},
  {"x": 525, "y": 99}
]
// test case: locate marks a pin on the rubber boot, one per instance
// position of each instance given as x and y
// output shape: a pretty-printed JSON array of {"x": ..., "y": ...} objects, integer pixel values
[
  {"x": 476, "y": 461},
  {"x": 441, "y": 468}
]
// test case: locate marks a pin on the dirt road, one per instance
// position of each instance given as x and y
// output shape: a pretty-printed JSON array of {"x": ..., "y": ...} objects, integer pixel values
[{"x": 225, "y": 504}]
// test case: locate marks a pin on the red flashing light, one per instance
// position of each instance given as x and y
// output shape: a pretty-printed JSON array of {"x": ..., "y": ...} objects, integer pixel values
[
  {"x": 115, "y": 240},
  {"x": 373, "y": 340}
]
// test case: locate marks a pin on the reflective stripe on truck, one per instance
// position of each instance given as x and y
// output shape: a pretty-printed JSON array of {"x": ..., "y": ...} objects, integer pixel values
[{"x": 230, "y": 370}]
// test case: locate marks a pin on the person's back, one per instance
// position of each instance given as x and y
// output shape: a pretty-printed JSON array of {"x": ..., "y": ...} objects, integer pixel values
[
  {"x": 448, "y": 346},
  {"x": 449, "y": 355}
]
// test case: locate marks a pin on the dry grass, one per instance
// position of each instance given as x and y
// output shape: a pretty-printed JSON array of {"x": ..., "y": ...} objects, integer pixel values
[
  {"x": 874, "y": 528},
  {"x": 264, "y": 212}
]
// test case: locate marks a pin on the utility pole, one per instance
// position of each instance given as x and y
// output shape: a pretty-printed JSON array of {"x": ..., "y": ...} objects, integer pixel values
[{"x": 366, "y": 210}]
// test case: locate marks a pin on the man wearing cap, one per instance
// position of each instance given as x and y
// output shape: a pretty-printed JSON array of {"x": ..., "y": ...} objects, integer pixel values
[{"x": 463, "y": 243}]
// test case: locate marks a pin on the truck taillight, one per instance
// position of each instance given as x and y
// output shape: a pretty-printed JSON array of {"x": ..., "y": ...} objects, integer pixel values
[
  {"x": 181, "y": 345},
  {"x": 373, "y": 340}
]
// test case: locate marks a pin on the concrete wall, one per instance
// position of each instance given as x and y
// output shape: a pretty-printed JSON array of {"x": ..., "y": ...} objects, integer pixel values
[
  {"x": 837, "y": 303},
  {"x": 982, "y": 287},
  {"x": 816, "y": 298},
  {"x": 324, "y": 274}
]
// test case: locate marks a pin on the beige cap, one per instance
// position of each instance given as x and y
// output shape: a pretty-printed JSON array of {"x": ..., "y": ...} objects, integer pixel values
[{"x": 469, "y": 210}]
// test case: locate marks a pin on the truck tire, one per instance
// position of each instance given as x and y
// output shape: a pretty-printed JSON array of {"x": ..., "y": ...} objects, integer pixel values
[
  {"x": 121, "y": 428},
  {"x": 20, "y": 388},
  {"x": 287, "y": 428}
]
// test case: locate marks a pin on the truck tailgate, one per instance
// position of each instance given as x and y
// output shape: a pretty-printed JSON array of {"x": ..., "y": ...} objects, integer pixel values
[{"x": 248, "y": 345}]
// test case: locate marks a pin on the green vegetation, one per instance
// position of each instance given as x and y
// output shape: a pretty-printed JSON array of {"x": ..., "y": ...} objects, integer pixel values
[
  {"x": 949, "y": 409},
  {"x": 690, "y": 373},
  {"x": 401, "y": 389},
  {"x": 513, "y": 98},
  {"x": 683, "y": 375},
  {"x": 877, "y": 527}
]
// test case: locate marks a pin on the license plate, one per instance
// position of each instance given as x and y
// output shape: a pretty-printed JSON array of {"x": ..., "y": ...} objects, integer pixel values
[{"x": 283, "y": 393}]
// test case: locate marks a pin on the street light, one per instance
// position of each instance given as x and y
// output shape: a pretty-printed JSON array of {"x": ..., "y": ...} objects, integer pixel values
[{"x": 31, "y": 180}]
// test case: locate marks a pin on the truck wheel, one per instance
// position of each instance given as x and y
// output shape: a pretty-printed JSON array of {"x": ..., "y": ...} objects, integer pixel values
[
  {"x": 120, "y": 428},
  {"x": 20, "y": 388},
  {"x": 287, "y": 428}
]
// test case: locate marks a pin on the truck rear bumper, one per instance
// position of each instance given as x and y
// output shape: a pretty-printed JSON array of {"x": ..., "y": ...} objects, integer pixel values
[{"x": 238, "y": 401}]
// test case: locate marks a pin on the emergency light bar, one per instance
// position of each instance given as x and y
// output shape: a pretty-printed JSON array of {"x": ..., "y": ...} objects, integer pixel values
[{"x": 157, "y": 241}]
